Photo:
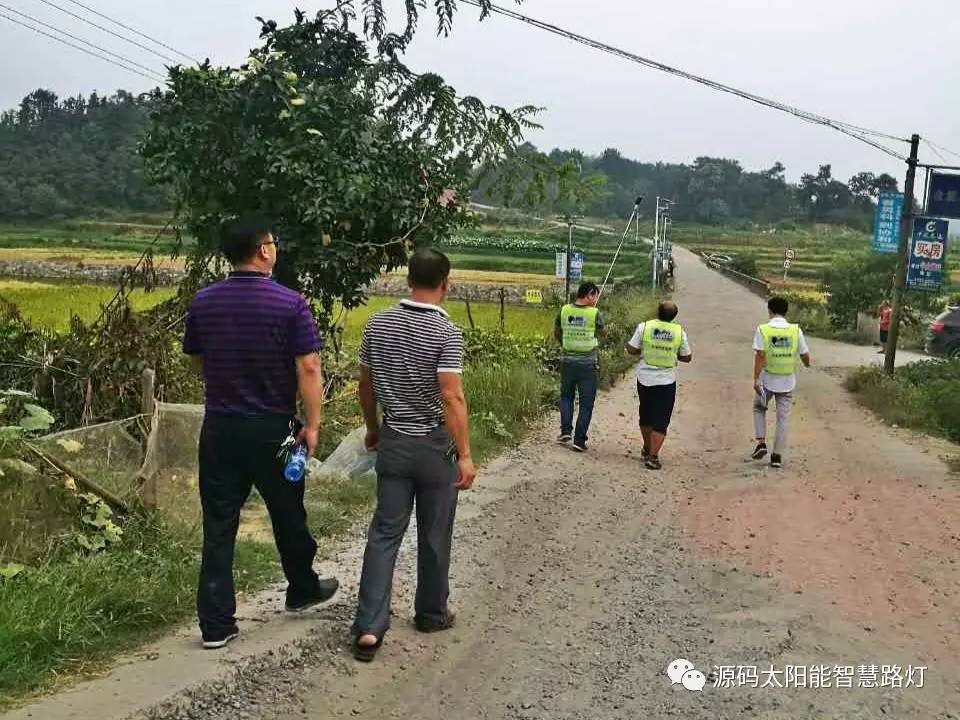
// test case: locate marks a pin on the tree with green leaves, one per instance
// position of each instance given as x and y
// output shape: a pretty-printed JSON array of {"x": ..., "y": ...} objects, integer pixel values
[{"x": 353, "y": 155}]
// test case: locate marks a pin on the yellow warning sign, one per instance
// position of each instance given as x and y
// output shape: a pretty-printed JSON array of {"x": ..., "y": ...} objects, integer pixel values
[{"x": 534, "y": 297}]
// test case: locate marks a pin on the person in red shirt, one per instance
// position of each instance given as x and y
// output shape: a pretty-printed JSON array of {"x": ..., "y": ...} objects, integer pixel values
[{"x": 884, "y": 312}]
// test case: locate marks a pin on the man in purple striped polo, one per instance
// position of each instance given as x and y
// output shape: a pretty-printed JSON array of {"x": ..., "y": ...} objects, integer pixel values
[{"x": 258, "y": 346}]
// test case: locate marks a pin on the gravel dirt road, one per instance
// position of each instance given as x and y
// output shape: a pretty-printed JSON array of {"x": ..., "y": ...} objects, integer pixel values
[{"x": 579, "y": 578}]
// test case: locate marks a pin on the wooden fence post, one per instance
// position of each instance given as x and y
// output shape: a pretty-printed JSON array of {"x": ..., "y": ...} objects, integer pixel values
[
  {"x": 148, "y": 406},
  {"x": 466, "y": 300},
  {"x": 503, "y": 300}
]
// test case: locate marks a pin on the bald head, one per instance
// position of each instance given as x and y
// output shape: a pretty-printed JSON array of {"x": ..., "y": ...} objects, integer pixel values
[{"x": 667, "y": 311}]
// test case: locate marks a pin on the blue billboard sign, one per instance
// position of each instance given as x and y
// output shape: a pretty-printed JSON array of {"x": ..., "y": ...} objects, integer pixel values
[
  {"x": 886, "y": 223},
  {"x": 943, "y": 195},
  {"x": 928, "y": 251}
]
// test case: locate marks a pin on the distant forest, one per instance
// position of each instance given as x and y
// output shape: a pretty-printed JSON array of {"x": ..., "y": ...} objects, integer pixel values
[
  {"x": 73, "y": 157},
  {"x": 719, "y": 190}
]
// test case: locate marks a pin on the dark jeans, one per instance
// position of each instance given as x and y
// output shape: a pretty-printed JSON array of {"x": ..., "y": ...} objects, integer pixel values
[
  {"x": 409, "y": 469},
  {"x": 574, "y": 378},
  {"x": 236, "y": 453}
]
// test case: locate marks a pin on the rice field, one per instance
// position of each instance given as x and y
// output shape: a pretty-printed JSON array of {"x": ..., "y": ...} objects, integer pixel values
[{"x": 51, "y": 304}]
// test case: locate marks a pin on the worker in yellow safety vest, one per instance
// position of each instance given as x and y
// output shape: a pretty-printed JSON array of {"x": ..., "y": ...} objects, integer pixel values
[
  {"x": 661, "y": 344},
  {"x": 578, "y": 328},
  {"x": 777, "y": 345}
]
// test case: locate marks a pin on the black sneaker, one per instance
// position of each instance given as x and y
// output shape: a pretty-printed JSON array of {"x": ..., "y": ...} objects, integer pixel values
[
  {"x": 579, "y": 447},
  {"x": 216, "y": 640},
  {"x": 776, "y": 461},
  {"x": 564, "y": 438},
  {"x": 760, "y": 451},
  {"x": 325, "y": 589},
  {"x": 652, "y": 462},
  {"x": 430, "y": 625}
]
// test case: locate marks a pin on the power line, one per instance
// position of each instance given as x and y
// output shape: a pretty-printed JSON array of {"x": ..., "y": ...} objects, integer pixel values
[
  {"x": 935, "y": 151},
  {"x": 857, "y": 132},
  {"x": 135, "y": 31},
  {"x": 79, "y": 47},
  {"x": 159, "y": 76},
  {"x": 935, "y": 147},
  {"x": 110, "y": 32}
]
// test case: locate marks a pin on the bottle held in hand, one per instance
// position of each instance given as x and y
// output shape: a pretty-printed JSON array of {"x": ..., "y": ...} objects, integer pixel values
[{"x": 296, "y": 466}]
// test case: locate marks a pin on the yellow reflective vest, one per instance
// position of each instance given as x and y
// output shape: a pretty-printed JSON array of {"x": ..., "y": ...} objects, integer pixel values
[
  {"x": 781, "y": 348},
  {"x": 579, "y": 326}
]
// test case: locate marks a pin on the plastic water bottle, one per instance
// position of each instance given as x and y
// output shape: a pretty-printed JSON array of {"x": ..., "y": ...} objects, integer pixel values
[{"x": 296, "y": 465}]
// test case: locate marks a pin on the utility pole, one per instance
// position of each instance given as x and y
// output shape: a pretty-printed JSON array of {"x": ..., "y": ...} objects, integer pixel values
[
  {"x": 566, "y": 294},
  {"x": 656, "y": 243},
  {"x": 906, "y": 230}
]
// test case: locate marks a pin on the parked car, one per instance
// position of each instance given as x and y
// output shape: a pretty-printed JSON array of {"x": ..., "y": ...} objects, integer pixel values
[{"x": 943, "y": 337}]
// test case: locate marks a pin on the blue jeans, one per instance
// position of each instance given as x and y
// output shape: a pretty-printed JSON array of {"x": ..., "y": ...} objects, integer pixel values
[{"x": 576, "y": 377}]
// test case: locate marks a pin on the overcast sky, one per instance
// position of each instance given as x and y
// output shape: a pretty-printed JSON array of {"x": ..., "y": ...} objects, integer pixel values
[{"x": 854, "y": 60}]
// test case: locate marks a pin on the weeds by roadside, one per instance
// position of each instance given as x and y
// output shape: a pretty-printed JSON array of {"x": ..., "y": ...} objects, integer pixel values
[
  {"x": 67, "y": 617},
  {"x": 922, "y": 395}
]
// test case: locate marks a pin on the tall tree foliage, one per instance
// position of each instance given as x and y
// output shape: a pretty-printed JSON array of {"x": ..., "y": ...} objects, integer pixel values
[
  {"x": 353, "y": 155},
  {"x": 61, "y": 158}
]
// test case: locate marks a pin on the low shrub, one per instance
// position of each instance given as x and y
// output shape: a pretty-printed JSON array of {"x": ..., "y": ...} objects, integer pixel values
[{"x": 923, "y": 395}]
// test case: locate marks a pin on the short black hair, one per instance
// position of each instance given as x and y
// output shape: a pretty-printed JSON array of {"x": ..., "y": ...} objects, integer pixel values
[
  {"x": 241, "y": 238},
  {"x": 586, "y": 288},
  {"x": 428, "y": 269},
  {"x": 667, "y": 311},
  {"x": 778, "y": 305}
]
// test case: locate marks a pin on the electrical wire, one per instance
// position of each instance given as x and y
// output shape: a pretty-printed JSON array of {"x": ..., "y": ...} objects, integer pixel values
[
  {"x": 135, "y": 31},
  {"x": 110, "y": 32},
  {"x": 940, "y": 148},
  {"x": 78, "y": 47},
  {"x": 935, "y": 151},
  {"x": 857, "y": 132},
  {"x": 159, "y": 76}
]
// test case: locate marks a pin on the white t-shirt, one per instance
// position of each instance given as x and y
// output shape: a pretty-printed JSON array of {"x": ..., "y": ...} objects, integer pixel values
[
  {"x": 772, "y": 382},
  {"x": 648, "y": 375}
]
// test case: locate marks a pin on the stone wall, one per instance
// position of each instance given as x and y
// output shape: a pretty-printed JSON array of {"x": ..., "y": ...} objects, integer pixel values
[
  {"x": 78, "y": 272},
  {"x": 390, "y": 286}
]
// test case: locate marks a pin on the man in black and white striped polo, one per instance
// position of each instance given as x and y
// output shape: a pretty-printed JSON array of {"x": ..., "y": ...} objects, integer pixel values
[{"x": 411, "y": 365}]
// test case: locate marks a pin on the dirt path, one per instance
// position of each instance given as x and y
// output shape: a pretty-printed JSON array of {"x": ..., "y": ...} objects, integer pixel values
[{"x": 579, "y": 578}]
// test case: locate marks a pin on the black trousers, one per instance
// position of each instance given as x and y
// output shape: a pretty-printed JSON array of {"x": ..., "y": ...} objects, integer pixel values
[
  {"x": 238, "y": 452},
  {"x": 656, "y": 405}
]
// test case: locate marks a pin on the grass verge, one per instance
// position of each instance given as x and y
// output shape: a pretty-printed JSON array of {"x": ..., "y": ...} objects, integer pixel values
[
  {"x": 922, "y": 395},
  {"x": 69, "y": 616}
]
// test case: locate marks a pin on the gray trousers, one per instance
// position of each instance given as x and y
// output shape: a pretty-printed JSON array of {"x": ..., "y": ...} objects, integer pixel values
[
  {"x": 784, "y": 404},
  {"x": 410, "y": 470}
]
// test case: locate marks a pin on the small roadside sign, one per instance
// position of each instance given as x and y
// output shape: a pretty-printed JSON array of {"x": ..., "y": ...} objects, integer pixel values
[
  {"x": 928, "y": 248},
  {"x": 944, "y": 195},
  {"x": 576, "y": 266},
  {"x": 561, "y": 268},
  {"x": 787, "y": 264},
  {"x": 534, "y": 297},
  {"x": 789, "y": 254},
  {"x": 886, "y": 222}
]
